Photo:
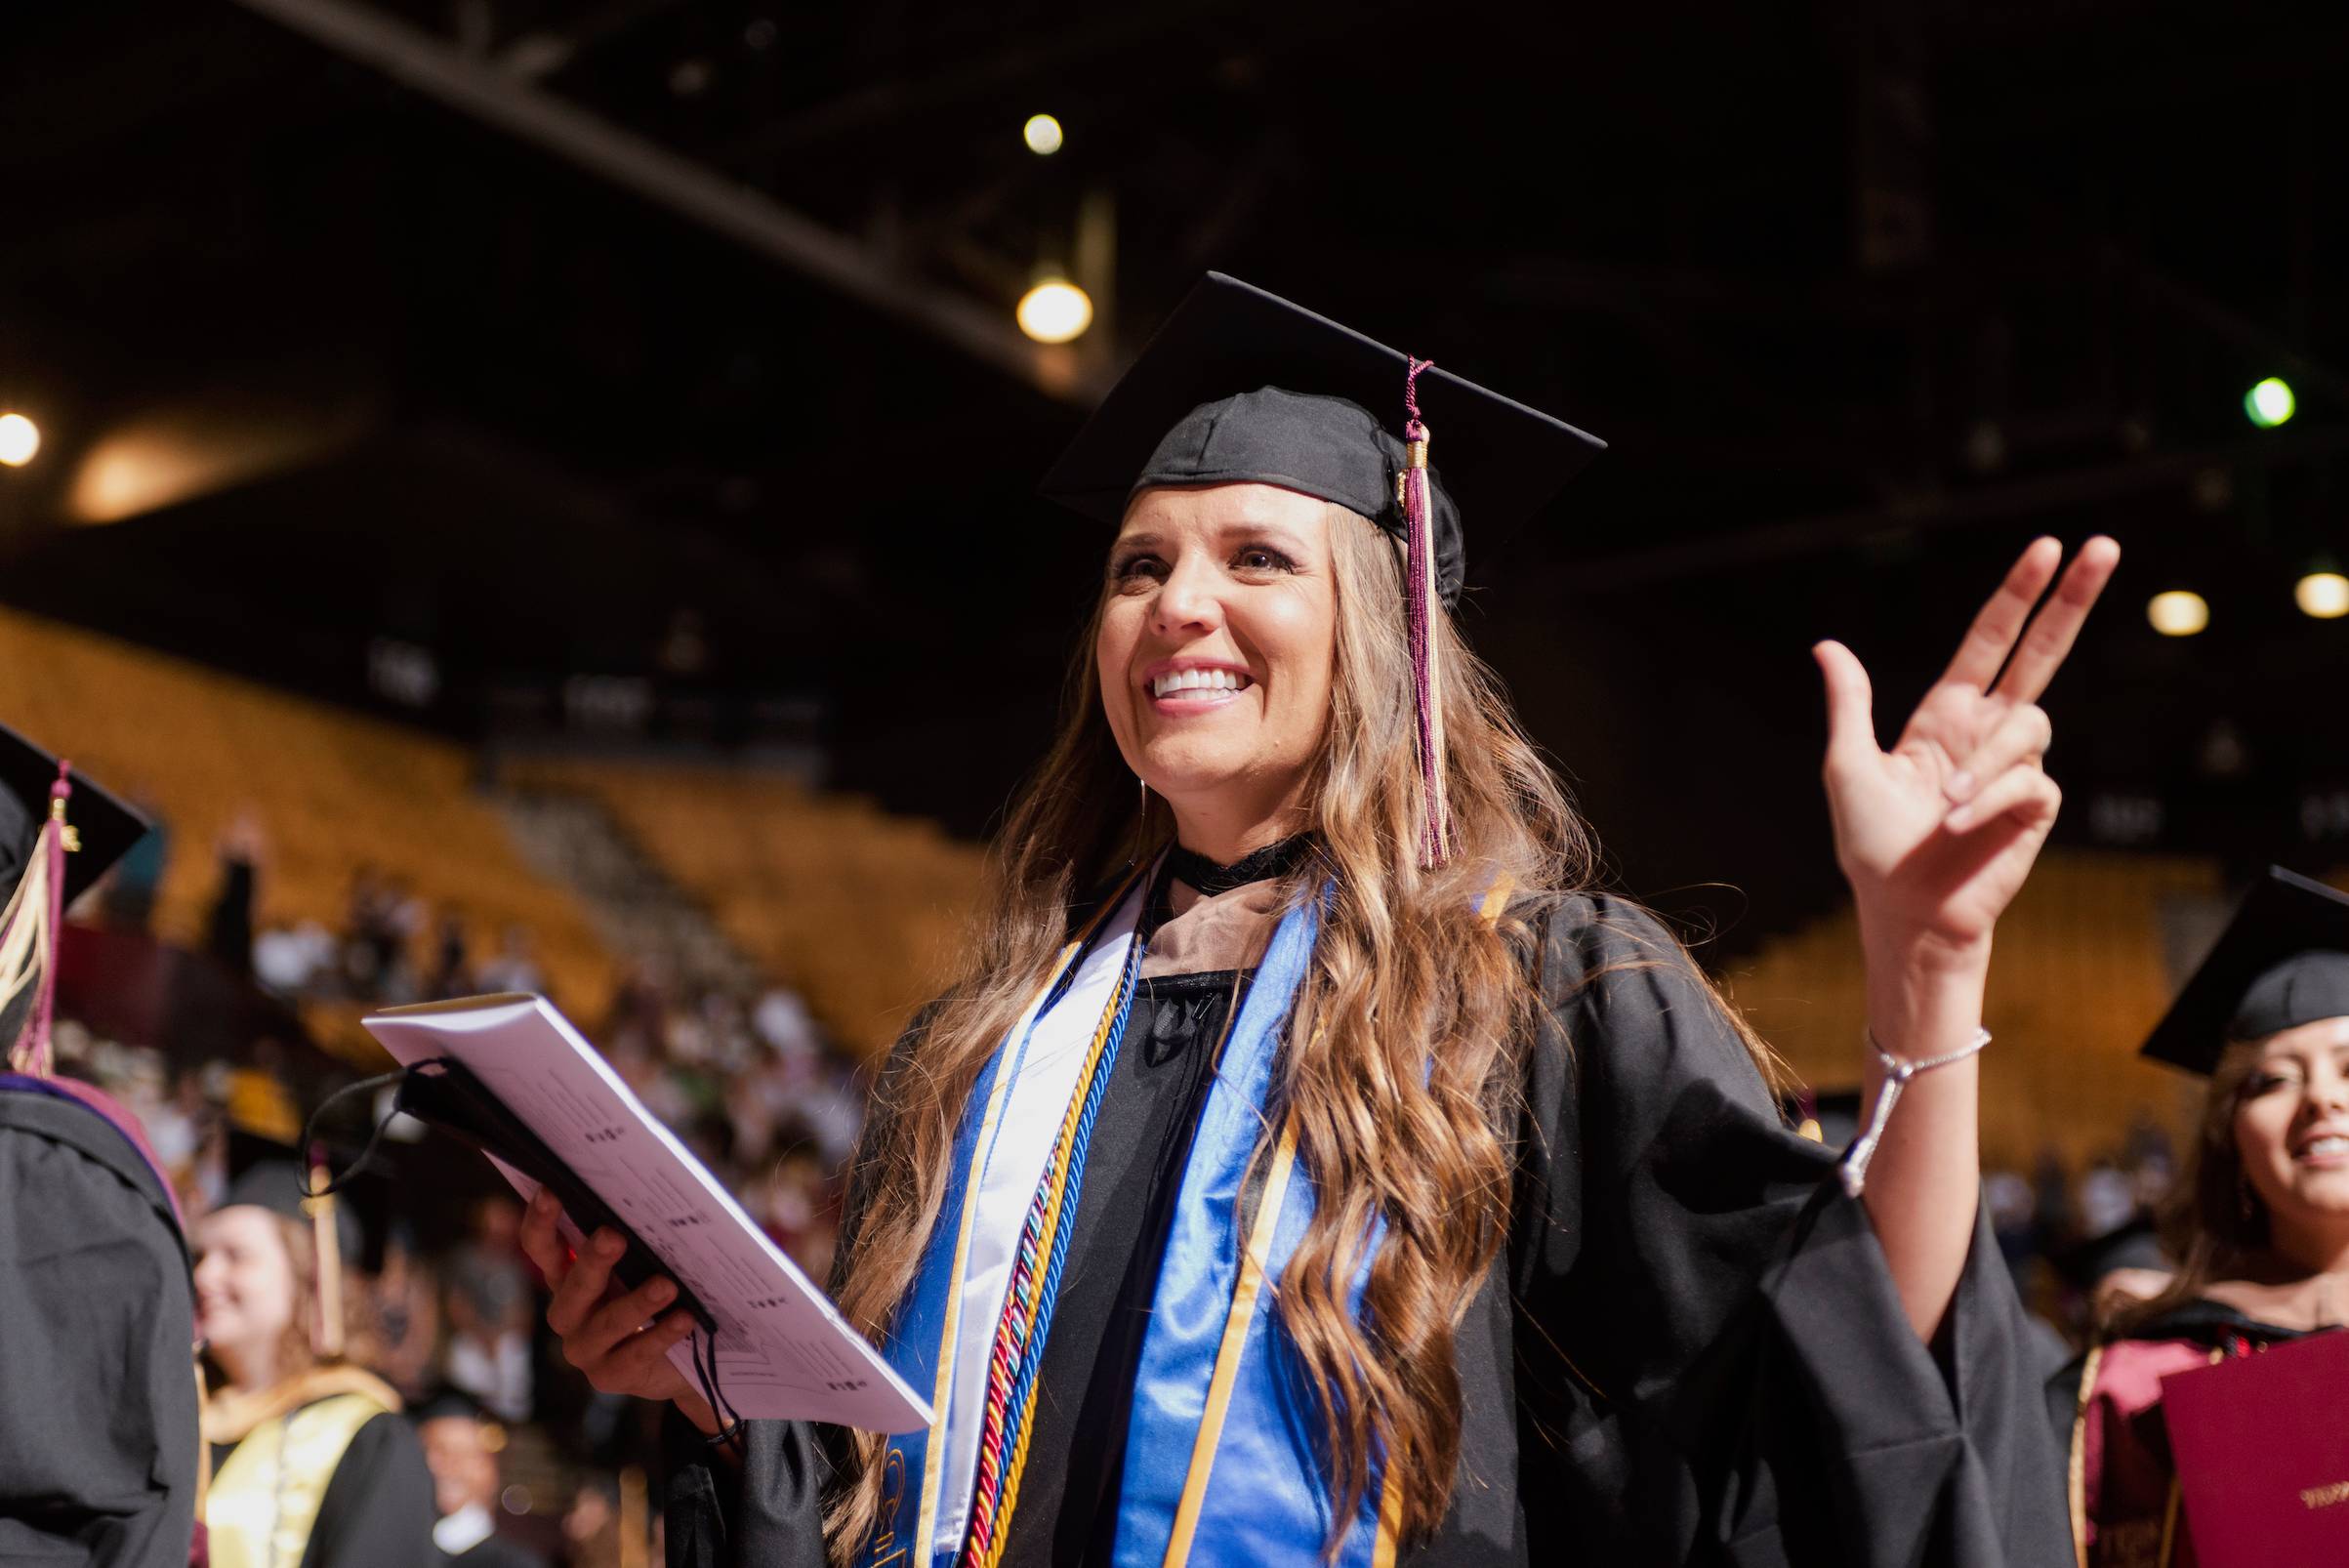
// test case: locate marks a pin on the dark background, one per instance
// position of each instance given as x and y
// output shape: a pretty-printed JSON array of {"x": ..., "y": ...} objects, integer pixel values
[{"x": 1863, "y": 296}]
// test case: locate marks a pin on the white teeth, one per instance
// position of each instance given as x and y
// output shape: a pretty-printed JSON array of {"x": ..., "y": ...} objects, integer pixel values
[
  {"x": 2328, "y": 1145},
  {"x": 1197, "y": 681}
]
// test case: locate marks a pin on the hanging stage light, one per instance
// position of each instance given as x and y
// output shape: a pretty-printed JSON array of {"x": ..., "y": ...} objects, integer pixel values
[
  {"x": 2322, "y": 596},
  {"x": 1056, "y": 311},
  {"x": 1042, "y": 134},
  {"x": 20, "y": 440},
  {"x": 2178, "y": 612}
]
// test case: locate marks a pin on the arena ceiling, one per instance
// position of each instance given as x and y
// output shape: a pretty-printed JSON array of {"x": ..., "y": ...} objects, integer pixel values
[{"x": 515, "y": 333}]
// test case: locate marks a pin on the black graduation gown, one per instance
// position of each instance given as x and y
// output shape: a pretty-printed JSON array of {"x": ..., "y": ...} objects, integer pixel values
[
  {"x": 98, "y": 1401},
  {"x": 1690, "y": 1351},
  {"x": 378, "y": 1510},
  {"x": 496, "y": 1551},
  {"x": 2201, "y": 1321}
]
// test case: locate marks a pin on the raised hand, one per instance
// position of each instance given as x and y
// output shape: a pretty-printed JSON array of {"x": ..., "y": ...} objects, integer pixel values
[
  {"x": 1937, "y": 833},
  {"x": 619, "y": 1339}
]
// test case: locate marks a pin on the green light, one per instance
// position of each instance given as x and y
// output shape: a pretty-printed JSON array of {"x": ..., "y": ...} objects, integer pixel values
[{"x": 2270, "y": 403}]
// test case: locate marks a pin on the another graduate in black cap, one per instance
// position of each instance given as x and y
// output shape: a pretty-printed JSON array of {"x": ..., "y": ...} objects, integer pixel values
[
  {"x": 461, "y": 1442},
  {"x": 99, "y": 1453},
  {"x": 313, "y": 1464},
  {"x": 1311, "y": 1165},
  {"x": 2258, "y": 1224}
]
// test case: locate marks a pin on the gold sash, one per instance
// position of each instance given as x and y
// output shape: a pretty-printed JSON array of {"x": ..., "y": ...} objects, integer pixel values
[{"x": 264, "y": 1502}]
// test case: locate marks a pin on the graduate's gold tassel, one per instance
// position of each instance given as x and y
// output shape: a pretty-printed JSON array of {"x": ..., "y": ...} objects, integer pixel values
[
  {"x": 635, "y": 1532},
  {"x": 29, "y": 928},
  {"x": 328, "y": 1244}
]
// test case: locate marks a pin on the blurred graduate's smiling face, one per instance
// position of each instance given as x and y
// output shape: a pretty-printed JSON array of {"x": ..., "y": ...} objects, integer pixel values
[
  {"x": 244, "y": 1281},
  {"x": 2291, "y": 1128},
  {"x": 1216, "y": 644},
  {"x": 465, "y": 1469}
]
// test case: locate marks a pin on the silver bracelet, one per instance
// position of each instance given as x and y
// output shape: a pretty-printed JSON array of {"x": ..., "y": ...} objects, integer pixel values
[{"x": 1897, "y": 1073}]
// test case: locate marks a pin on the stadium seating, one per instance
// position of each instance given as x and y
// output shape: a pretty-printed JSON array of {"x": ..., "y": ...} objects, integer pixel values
[
  {"x": 2077, "y": 982},
  {"x": 857, "y": 910},
  {"x": 331, "y": 792}
]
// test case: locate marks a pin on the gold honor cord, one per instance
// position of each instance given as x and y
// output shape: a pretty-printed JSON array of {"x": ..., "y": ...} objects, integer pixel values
[{"x": 933, "y": 1453}]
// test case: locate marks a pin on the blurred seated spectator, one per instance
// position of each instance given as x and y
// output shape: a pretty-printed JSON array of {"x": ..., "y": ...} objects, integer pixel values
[
  {"x": 297, "y": 961},
  {"x": 452, "y": 973},
  {"x": 461, "y": 1448},
  {"x": 490, "y": 1310},
  {"x": 228, "y": 928},
  {"x": 403, "y": 1306},
  {"x": 512, "y": 967},
  {"x": 591, "y": 1527},
  {"x": 2107, "y": 1199}
]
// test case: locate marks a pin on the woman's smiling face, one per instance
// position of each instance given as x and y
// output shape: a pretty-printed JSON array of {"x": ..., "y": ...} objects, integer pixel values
[
  {"x": 2292, "y": 1127},
  {"x": 1216, "y": 645},
  {"x": 244, "y": 1281}
]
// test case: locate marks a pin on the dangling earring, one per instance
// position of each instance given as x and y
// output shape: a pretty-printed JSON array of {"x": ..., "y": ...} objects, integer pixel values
[{"x": 1146, "y": 784}]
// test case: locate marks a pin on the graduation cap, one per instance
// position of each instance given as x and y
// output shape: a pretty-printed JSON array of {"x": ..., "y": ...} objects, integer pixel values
[
  {"x": 1240, "y": 386},
  {"x": 2132, "y": 1244},
  {"x": 2281, "y": 961},
  {"x": 104, "y": 827},
  {"x": 59, "y": 832},
  {"x": 283, "y": 1184},
  {"x": 448, "y": 1402}
]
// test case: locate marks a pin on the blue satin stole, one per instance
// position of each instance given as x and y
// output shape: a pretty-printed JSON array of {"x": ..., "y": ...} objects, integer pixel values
[{"x": 1222, "y": 1463}]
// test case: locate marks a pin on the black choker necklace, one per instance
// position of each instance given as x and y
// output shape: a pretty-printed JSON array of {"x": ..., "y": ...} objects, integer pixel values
[{"x": 1195, "y": 870}]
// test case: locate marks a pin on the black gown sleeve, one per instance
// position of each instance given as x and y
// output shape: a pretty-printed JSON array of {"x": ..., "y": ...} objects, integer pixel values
[
  {"x": 1712, "y": 1362},
  {"x": 378, "y": 1509},
  {"x": 768, "y": 1510}
]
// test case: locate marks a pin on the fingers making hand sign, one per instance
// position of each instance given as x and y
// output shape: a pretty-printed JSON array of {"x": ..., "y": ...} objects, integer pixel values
[{"x": 1937, "y": 833}]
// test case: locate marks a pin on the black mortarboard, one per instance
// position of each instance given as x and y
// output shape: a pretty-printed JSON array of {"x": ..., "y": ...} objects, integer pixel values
[
  {"x": 449, "y": 1402},
  {"x": 105, "y": 827},
  {"x": 2131, "y": 1244},
  {"x": 2281, "y": 961},
  {"x": 277, "y": 1185},
  {"x": 1239, "y": 384}
]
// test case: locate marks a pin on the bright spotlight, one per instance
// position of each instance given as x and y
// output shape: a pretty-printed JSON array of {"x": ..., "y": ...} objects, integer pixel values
[
  {"x": 20, "y": 440},
  {"x": 2270, "y": 403},
  {"x": 1042, "y": 134},
  {"x": 2323, "y": 595},
  {"x": 1056, "y": 311},
  {"x": 2178, "y": 613}
]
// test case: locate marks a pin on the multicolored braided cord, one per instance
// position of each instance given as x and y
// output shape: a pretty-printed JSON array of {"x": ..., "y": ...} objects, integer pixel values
[{"x": 1034, "y": 1286}]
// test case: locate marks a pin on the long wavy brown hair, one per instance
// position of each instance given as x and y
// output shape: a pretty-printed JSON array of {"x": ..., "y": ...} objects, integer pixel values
[
  {"x": 1399, "y": 1069},
  {"x": 2211, "y": 1223}
]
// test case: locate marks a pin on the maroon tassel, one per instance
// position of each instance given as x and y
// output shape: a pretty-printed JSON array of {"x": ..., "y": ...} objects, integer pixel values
[{"x": 1418, "y": 516}]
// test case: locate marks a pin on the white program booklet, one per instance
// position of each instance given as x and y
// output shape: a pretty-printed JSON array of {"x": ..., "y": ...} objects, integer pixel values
[{"x": 783, "y": 1350}]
